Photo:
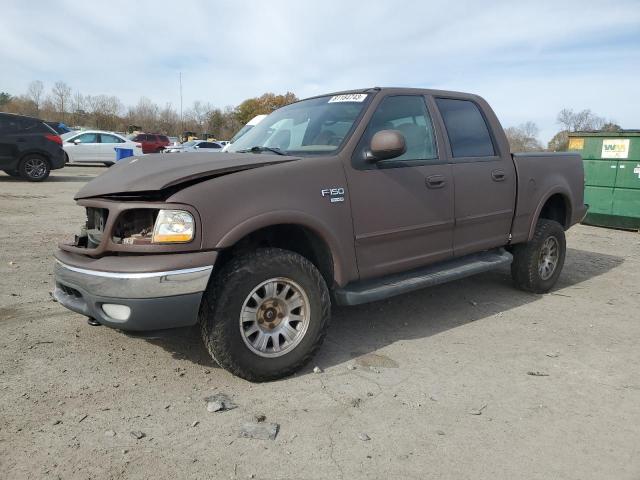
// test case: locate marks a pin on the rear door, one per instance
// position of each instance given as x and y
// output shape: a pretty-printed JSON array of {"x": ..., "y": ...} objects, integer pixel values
[
  {"x": 484, "y": 178},
  {"x": 403, "y": 207},
  {"x": 108, "y": 143}
]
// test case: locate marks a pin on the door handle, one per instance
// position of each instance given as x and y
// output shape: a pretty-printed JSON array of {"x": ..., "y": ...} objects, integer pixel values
[
  {"x": 498, "y": 175},
  {"x": 435, "y": 181}
]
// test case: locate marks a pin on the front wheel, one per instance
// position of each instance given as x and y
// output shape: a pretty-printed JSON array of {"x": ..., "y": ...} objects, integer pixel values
[
  {"x": 537, "y": 264},
  {"x": 265, "y": 314},
  {"x": 34, "y": 168}
]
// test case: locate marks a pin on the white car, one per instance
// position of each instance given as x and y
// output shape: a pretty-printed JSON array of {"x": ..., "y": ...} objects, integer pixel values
[
  {"x": 195, "y": 146},
  {"x": 95, "y": 146}
]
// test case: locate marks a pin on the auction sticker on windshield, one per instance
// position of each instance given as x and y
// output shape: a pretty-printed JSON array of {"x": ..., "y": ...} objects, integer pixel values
[{"x": 350, "y": 97}]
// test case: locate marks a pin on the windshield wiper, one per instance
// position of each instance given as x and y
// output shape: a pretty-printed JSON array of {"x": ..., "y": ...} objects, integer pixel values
[{"x": 258, "y": 149}]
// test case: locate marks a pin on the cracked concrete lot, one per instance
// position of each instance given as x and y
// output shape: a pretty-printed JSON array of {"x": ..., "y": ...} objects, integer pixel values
[{"x": 473, "y": 379}]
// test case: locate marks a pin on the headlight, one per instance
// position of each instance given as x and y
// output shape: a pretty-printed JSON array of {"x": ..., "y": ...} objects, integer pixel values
[{"x": 173, "y": 226}]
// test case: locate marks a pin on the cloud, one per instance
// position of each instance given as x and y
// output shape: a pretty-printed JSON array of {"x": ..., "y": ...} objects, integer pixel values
[{"x": 529, "y": 59}]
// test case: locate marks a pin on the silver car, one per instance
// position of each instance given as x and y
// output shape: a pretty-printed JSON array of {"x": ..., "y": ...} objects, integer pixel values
[{"x": 195, "y": 146}]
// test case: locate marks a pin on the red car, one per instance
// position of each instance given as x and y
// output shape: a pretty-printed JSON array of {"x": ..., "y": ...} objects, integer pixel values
[{"x": 152, "y": 142}]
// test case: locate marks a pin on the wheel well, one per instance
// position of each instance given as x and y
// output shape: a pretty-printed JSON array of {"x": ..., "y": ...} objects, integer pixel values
[
  {"x": 556, "y": 208},
  {"x": 295, "y": 238},
  {"x": 35, "y": 154}
]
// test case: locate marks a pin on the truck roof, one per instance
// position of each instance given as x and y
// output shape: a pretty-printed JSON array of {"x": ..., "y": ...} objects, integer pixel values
[{"x": 400, "y": 90}]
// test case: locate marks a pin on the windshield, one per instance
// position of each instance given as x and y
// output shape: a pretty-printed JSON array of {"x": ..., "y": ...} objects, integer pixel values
[
  {"x": 314, "y": 126},
  {"x": 241, "y": 132}
]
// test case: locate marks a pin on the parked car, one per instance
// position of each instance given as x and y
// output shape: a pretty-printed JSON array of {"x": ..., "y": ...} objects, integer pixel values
[
  {"x": 152, "y": 142},
  {"x": 349, "y": 198},
  {"x": 96, "y": 146},
  {"x": 59, "y": 127},
  {"x": 29, "y": 148},
  {"x": 196, "y": 146}
]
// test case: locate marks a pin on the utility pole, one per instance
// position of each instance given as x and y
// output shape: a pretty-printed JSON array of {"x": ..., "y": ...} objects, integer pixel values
[{"x": 181, "y": 117}]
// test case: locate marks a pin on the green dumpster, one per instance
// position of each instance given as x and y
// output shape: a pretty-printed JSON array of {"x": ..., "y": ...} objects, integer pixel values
[{"x": 612, "y": 176}]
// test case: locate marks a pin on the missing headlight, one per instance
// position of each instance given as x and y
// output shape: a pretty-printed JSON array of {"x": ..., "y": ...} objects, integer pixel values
[
  {"x": 135, "y": 227},
  {"x": 91, "y": 232}
]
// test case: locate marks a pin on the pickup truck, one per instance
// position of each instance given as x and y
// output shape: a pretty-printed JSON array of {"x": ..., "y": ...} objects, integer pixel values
[{"x": 339, "y": 199}]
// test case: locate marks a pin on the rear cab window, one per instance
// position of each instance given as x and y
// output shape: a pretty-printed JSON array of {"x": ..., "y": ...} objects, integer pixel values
[{"x": 466, "y": 128}]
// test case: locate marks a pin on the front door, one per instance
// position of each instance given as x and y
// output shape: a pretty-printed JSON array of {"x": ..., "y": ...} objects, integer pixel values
[
  {"x": 402, "y": 207},
  {"x": 83, "y": 148},
  {"x": 484, "y": 178}
]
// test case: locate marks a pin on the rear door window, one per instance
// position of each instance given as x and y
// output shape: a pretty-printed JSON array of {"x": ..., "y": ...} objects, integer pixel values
[
  {"x": 209, "y": 145},
  {"x": 466, "y": 127},
  {"x": 106, "y": 138}
]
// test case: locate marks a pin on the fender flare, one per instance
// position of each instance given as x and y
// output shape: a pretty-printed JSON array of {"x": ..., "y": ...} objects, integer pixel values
[
  {"x": 288, "y": 217},
  {"x": 551, "y": 192}
]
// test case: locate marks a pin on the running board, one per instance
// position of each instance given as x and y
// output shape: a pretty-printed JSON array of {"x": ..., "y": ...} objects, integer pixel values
[{"x": 442, "y": 272}]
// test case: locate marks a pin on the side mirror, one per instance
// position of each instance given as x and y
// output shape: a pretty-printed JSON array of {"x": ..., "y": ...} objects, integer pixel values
[
  {"x": 76, "y": 141},
  {"x": 196, "y": 146},
  {"x": 386, "y": 144}
]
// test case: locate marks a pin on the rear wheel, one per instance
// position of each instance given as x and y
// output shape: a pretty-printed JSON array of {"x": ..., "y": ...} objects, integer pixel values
[
  {"x": 537, "y": 264},
  {"x": 34, "y": 168},
  {"x": 265, "y": 314}
]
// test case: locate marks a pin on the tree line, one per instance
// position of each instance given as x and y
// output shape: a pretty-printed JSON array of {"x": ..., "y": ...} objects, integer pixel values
[
  {"x": 524, "y": 138},
  {"x": 107, "y": 112}
]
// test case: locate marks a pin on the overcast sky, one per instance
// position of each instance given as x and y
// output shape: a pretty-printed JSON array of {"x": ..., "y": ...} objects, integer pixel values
[{"x": 528, "y": 59}]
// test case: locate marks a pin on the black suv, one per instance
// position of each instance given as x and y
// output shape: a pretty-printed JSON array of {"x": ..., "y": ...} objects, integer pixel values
[{"x": 29, "y": 148}]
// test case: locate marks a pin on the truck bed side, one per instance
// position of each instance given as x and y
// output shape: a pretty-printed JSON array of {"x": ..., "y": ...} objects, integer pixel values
[{"x": 552, "y": 179}]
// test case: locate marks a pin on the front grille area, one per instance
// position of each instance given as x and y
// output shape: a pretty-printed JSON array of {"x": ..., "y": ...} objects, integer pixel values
[{"x": 91, "y": 234}]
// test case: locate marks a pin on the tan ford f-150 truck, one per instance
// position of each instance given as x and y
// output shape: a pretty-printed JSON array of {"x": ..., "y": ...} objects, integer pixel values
[{"x": 343, "y": 198}]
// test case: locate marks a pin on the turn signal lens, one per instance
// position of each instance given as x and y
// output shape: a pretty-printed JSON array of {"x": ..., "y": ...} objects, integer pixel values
[{"x": 173, "y": 226}]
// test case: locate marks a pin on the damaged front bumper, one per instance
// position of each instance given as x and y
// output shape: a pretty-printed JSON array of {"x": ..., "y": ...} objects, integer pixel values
[{"x": 134, "y": 301}]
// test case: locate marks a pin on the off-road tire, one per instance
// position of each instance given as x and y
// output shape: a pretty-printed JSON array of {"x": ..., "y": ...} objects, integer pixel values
[
  {"x": 526, "y": 257},
  {"x": 225, "y": 296},
  {"x": 26, "y": 173}
]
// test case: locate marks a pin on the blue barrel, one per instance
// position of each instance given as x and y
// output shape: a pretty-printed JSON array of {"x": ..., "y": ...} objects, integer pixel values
[{"x": 123, "y": 153}]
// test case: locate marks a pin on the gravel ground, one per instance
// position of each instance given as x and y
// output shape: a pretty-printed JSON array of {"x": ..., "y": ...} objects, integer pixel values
[{"x": 473, "y": 379}]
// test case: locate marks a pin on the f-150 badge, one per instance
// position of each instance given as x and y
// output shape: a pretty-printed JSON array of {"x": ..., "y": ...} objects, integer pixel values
[{"x": 336, "y": 194}]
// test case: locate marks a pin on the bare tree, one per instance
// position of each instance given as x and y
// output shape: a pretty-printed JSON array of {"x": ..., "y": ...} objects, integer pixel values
[
  {"x": 34, "y": 93},
  {"x": 199, "y": 115},
  {"x": 144, "y": 114},
  {"x": 61, "y": 93},
  {"x": 579, "y": 121},
  {"x": 523, "y": 138},
  {"x": 168, "y": 120}
]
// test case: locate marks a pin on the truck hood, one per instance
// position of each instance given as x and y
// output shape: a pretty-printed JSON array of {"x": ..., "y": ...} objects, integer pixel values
[{"x": 156, "y": 172}]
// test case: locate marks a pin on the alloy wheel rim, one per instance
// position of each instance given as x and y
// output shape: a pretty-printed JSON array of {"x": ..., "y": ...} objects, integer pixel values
[
  {"x": 548, "y": 260},
  {"x": 274, "y": 317},
  {"x": 35, "y": 167}
]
